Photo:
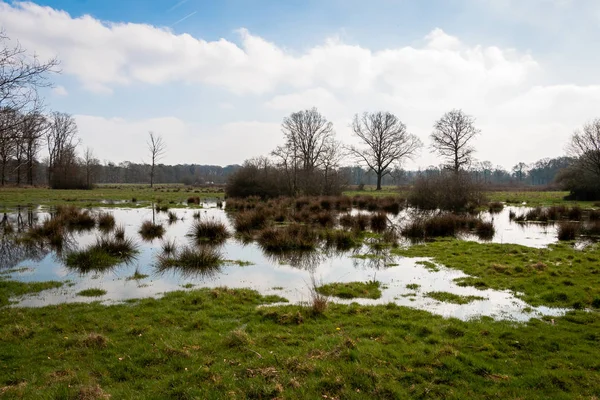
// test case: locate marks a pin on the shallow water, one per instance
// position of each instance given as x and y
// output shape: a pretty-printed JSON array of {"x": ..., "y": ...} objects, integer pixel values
[{"x": 288, "y": 275}]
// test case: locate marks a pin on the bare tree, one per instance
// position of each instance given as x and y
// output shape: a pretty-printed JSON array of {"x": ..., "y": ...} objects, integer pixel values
[
  {"x": 486, "y": 167},
  {"x": 61, "y": 140},
  {"x": 157, "y": 148},
  {"x": 332, "y": 157},
  {"x": 386, "y": 141},
  {"x": 90, "y": 162},
  {"x": 585, "y": 145},
  {"x": 8, "y": 133},
  {"x": 452, "y": 136},
  {"x": 21, "y": 74},
  {"x": 307, "y": 135},
  {"x": 34, "y": 127}
]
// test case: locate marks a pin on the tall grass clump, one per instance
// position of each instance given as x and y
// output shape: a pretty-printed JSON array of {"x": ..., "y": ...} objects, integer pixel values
[
  {"x": 495, "y": 207},
  {"x": 172, "y": 217},
  {"x": 440, "y": 225},
  {"x": 248, "y": 221},
  {"x": 318, "y": 301},
  {"x": 106, "y": 221},
  {"x": 378, "y": 222},
  {"x": 485, "y": 230},
  {"x": 75, "y": 218},
  {"x": 189, "y": 260},
  {"x": 209, "y": 231},
  {"x": 149, "y": 230},
  {"x": 105, "y": 253},
  {"x": 568, "y": 230},
  {"x": 339, "y": 239},
  {"x": 119, "y": 232},
  {"x": 169, "y": 248},
  {"x": 291, "y": 237}
]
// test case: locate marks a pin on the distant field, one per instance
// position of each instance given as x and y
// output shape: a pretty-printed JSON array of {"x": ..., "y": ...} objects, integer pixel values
[
  {"x": 129, "y": 195},
  {"x": 136, "y": 195}
]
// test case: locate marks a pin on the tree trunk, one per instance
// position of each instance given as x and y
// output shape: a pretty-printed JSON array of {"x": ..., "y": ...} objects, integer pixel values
[{"x": 378, "y": 181}]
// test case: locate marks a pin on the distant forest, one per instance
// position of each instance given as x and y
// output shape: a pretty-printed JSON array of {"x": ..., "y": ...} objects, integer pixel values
[{"x": 542, "y": 172}]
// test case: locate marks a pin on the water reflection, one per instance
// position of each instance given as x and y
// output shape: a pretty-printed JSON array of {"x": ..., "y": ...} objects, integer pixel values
[{"x": 284, "y": 273}]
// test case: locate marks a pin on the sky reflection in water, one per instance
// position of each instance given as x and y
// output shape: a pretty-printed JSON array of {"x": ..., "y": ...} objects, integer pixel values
[{"x": 287, "y": 275}]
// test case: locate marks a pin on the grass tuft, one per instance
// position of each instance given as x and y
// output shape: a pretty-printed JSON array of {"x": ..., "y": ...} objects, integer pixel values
[
  {"x": 93, "y": 292},
  {"x": 447, "y": 297},
  {"x": 352, "y": 290},
  {"x": 150, "y": 231},
  {"x": 209, "y": 231}
]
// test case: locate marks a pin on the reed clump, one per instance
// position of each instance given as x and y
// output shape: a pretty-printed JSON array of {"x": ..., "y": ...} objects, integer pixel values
[{"x": 209, "y": 231}]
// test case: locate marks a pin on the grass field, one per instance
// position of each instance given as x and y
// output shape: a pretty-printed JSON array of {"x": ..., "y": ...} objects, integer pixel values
[
  {"x": 133, "y": 195},
  {"x": 224, "y": 343},
  {"x": 216, "y": 343},
  {"x": 107, "y": 196}
]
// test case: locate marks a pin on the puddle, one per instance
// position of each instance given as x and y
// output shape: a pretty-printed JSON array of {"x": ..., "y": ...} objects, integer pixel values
[{"x": 288, "y": 275}]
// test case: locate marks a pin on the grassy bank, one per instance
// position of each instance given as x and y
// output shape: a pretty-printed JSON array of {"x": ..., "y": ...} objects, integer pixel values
[
  {"x": 216, "y": 343},
  {"x": 558, "y": 276}
]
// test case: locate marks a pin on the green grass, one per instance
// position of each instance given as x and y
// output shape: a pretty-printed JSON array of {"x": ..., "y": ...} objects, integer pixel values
[
  {"x": 121, "y": 195},
  {"x": 10, "y": 288},
  {"x": 105, "y": 195},
  {"x": 104, "y": 254},
  {"x": 93, "y": 292},
  {"x": 370, "y": 191},
  {"x": 352, "y": 290},
  {"x": 447, "y": 297},
  {"x": 557, "y": 276},
  {"x": 137, "y": 275},
  {"x": 535, "y": 198},
  {"x": 216, "y": 343}
]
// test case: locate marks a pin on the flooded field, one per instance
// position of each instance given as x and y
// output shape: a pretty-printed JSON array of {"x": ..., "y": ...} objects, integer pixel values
[{"x": 291, "y": 274}]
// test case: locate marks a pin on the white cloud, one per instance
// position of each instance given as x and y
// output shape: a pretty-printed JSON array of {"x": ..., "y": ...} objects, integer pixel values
[
  {"x": 60, "y": 90},
  {"x": 119, "y": 139},
  {"x": 523, "y": 118},
  {"x": 103, "y": 54}
]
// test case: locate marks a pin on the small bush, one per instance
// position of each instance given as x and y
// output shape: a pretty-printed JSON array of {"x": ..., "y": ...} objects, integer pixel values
[{"x": 446, "y": 191}]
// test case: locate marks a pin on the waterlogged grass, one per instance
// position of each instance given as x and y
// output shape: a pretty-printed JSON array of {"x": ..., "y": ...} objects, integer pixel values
[
  {"x": 558, "y": 276},
  {"x": 216, "y": 343},
  {"x": 9, "y": 289},
  {"x": 106, "y": 195},
  {"x": 535, "y": 198},
  {"x": 102, "y": 255},
  {"x": 92, "y": 292},
  {"x": 352, "y": 290},
  {"x": 447, "y": 297}
]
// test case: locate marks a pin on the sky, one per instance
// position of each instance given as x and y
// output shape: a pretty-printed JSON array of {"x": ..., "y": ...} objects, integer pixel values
[{"x": 216, "y": 78}]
